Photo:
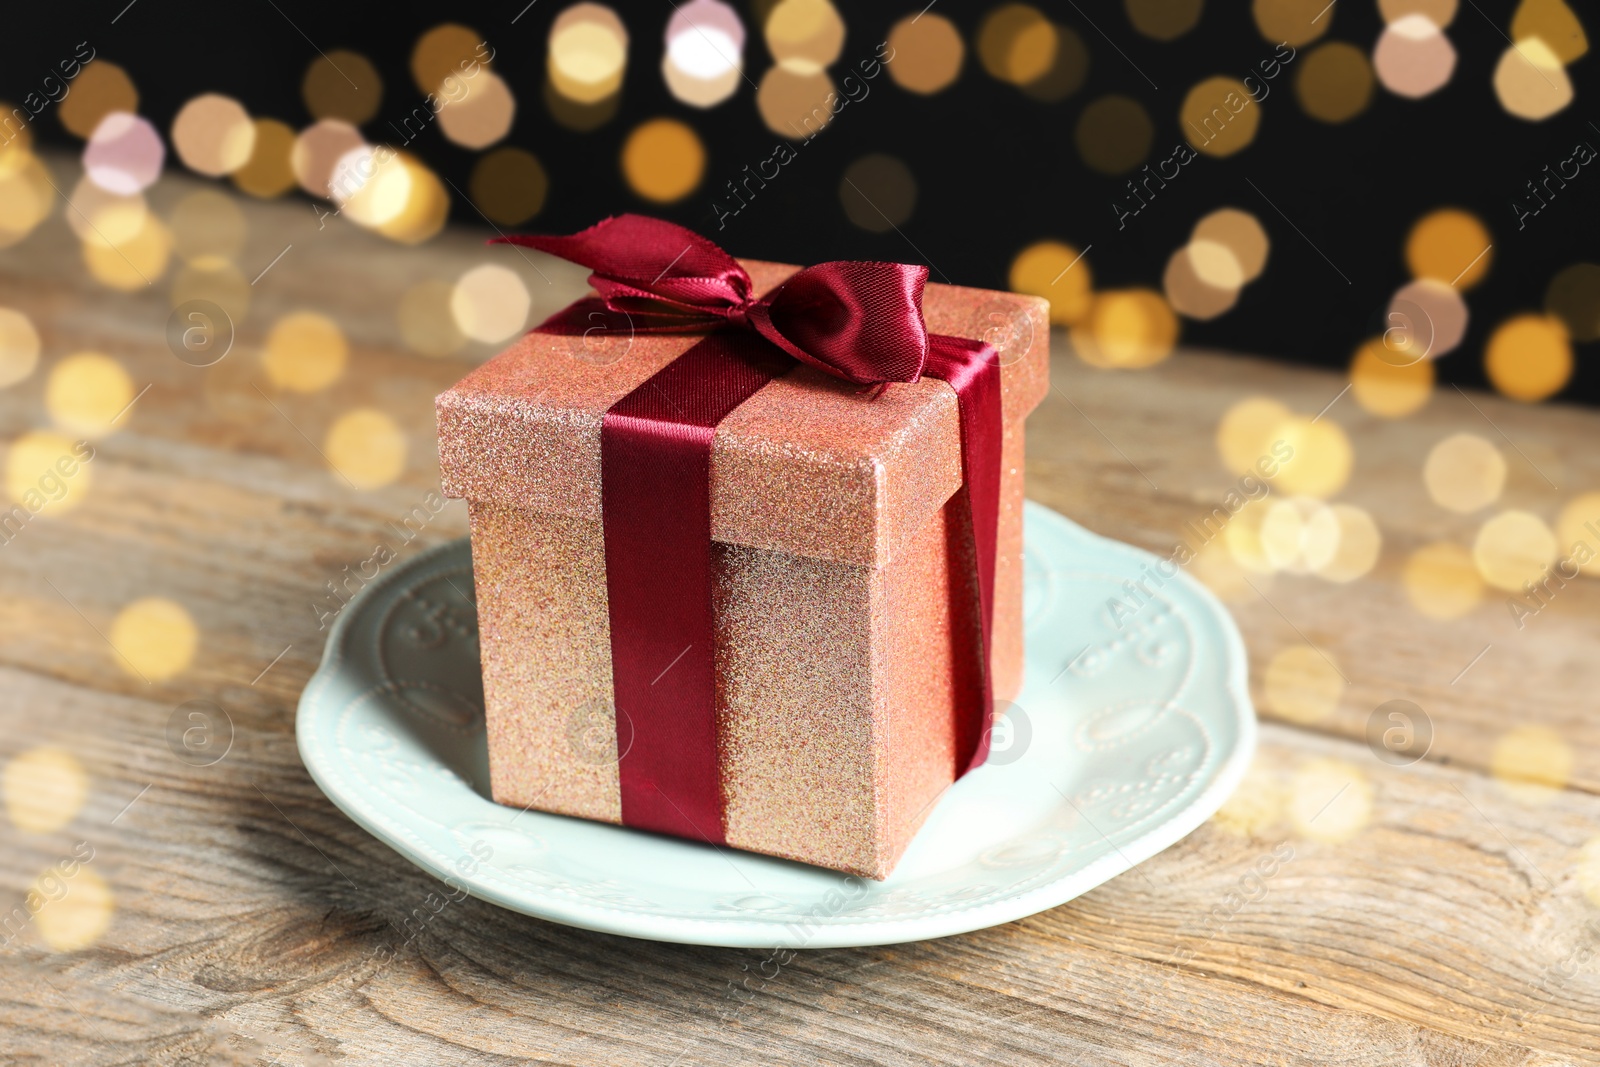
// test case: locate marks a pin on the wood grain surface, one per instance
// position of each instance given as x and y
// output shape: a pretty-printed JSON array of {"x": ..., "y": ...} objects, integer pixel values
[{"x": 1443, "y": 917}]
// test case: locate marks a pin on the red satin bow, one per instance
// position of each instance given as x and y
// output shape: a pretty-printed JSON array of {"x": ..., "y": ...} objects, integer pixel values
[{"x": 858, "y": 321}]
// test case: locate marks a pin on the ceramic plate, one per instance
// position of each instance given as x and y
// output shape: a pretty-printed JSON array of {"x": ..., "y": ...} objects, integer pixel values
[{"x": 1124, "y": 739}]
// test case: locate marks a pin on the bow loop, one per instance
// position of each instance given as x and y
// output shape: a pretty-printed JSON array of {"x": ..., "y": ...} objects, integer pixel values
[{"x": 858, "y": 321}]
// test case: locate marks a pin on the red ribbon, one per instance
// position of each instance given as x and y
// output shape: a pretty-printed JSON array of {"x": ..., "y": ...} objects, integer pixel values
[{"x": 858, "y": 321}]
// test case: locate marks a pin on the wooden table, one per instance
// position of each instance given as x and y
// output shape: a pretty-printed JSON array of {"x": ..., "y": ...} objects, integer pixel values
[{"x": 1449, "y": 926}]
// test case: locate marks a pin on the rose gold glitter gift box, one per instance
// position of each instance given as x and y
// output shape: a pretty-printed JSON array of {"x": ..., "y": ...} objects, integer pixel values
[{"x": 834, "y": 518}]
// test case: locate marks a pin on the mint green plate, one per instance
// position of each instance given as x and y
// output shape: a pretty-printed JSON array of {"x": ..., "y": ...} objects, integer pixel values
[{"x": 1122, "y": 741}]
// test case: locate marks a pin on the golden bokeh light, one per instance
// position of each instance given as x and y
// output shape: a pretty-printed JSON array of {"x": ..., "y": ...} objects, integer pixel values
[
  {"x": 1058, "y": 273},
  {"x": 1297, "y": 535},
  {"x": 317, "y": 151},
  {"x": 804, "y": 36},
  {"x": 155, "y": 638},
  {"x": 1017, "y": 44},
  {"x": 342, "y": 85},
  {"x": 1196, "y": 281},
  {"x": 1243, "y": 539},
  {"x": 1464, "y": 473},
  {"x": 1531, "y": 763},
  {"x": 214, "y": 279},
  {"x": 927, "y": 53},
  {"x": 426, "y": 207},
  {"x": 45, "y": 789},
  {"x": 1356, "y": 543},
  {"x": 99, "y": 89},
  {"x": 481, "y": 117},
  {"x": 1530, "y": 80},
  {"x": 878, "y": 193},
  {"x": 1068, "y": 70},
  {"x": 367, "y": 447},
  {"x": 1413, "y": 58},
  {"x": 371, "y": 185},
  {"x": 426, "y": 323},
  {"x": 1554, "y": 23},
  {"x": 1219, "y": 117},
  {"x": 19, "y": 346},
  {"x": 1512, "y": 548},
  {"x": 78, "y": 919},
  {"x": 1114, "y": 134},
  {"x": 86, "y": 391},
  {"x": 1302, "y": 685},
  {"x": 489, "y": 303},
  {"x": 794, "y": 105},
  {"x": 102, "y": 218},
  {"x": 1330, "y": 801},
  {"x": 1384, "y": 386},
  {"x": 268, "y": 172},
  {"x": 1451, "y": 246},
  {"x": 1588, "y": 870},
  {"x": 26, "y": 198},
  {"x": 1334, "y": 82},
  {"x": 1573, "y": 296},
  {"x": 213, "y": 135},
  {"x": 207, "y": 223},
  {"x": 1255, "y": 807},
  {"x": 1126, "y": 328},
  {"x": 1426, "y": 319},
  {"x": 1321, "y": 460},
  {"x": 1441, "y": 581},
  {"x": 1164, "y": 20},
  {"x": 1241, "y": 234},
  {"x": 704, "y": 60},
  {"x": 1246, "y": 434},
  {"x": 509, "y": 185},
  {"x": 663, "y": 160},
  {"x": 1292, "y": 22},
  {"x": 18, "y": 136},
  {"x": 1439, "y": 12},
  {"x": 1223, "y": 575},
  {"x": 1529, "y": 357},
  {"x": 1580, "y": 524},
  {"x": 305, "y": 352},
  {"x": 588, "y": 53},
  {"x": 133, "y": 264},
  {"x": 449, "y": 50},
  {"x": 44, "y": 472}
]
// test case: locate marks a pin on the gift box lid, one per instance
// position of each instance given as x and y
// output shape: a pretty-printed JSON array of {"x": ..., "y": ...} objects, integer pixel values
[{"x": 810, "y": 465}]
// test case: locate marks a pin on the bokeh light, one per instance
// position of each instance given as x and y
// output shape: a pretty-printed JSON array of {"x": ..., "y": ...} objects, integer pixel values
[
  {"x": 31, "y": 457},
  {"x": 305, "y": 352},
  {"x": 1529, "y": 357},
  {"x": 663, "y": 160},
  {"x": 1301, "y": 685},
  {"x": 878, "y": 193},
  {"x": 367, "y": 447},
  {"x": 317, "y": 151},
  {"x": 1114, "y": 134},
  {"x": 80, "y": 918},
  {"x": 1580, "y": 524},
  {"x": 1202, "y": 280},
  {"x": 1017, "y": 44},
  {"x": 1451, "y": 246},
  {"x": 19, "y": 346},
  {"x": 1530, "y": 80},
  {"x": 269, "y": 172},
  {"x": 1554, "y": 23},
  {"x": 1241, "y": 234},
  {"x": 1293, "y": 22},
  {"x": 426, "y": 323},
  {"x": 449, "y": 50},
  {"x": 1426, "y": 318},
  {"x": 26, "y": 198},
  {"x": 213, "y": 135},
  {"x": 804, "y": 36},
  {"x": 1440, "y": 12},
  {"x": 134, "y": 263},
  {"x": 794, "y": 105},
  {"x": 1441, "y": 581},
  {"x": 587, "y": 53},
  {"x": 1531, "y": 763},
  {"x": 86, "y": 391},
  {"x": 482, "y": 116},
  {"x": 1464, "y": 473},
  {"x": 1247, "y": 432},
  {"x": 490, "y": 303},
  {"x": 1389, "y": 386},
  {"x": 1573, "y": 296},
  {"x": 45, "y": 789},
  {"x": 1334, "y": 82},
  {"x": 928, "y": 53},
  {"x": 1321, "y": 460},
  {"x": 1164, "y": 20},
  {"x": 1357, "y": 543},
  {"x": 1126, "y": 328},
  {"x": 1413, "y": 58},
  {"x": 1329, "y": 801},
  {"x": 99, "y": 89},
  {"x": 1060, "y": 274},
  {"x": 703, "y": 63},
  {"x": 124, "y": 154},
  {"x": 1219, "y": 117},
  {"x": 342, "y": 85},
  {"x": 155, "y": 638},
  {"x": 1512, "y": 548},
  {"x": 509, "y": 185},
  {"x": 216, "y": 280}
]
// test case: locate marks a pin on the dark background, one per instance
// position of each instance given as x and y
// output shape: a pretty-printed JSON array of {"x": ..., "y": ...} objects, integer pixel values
[{"x": 996, "y": 170}]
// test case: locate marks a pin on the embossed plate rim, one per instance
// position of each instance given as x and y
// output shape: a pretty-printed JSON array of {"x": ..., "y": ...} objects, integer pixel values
[{"x": 752, "y": 930}]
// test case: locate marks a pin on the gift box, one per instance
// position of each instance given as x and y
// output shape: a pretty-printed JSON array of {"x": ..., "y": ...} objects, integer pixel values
[{"x": 846, "y": 661}]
